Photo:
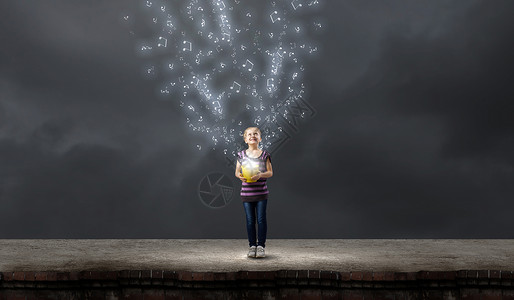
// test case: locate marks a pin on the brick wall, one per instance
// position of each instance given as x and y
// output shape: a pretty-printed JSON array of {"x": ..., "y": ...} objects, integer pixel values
[{"x": 282, "y": 284}]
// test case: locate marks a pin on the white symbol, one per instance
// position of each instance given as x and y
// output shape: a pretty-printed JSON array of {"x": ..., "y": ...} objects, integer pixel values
[
  {"x": 236, "y": 86},
  {"x": 295, "y": 4},
  {"x": 188, "y": 46},
  {"x": 163, "y": 42},
  {"x": 274, "y": 16},
  {"x": 249, "y": 64}
]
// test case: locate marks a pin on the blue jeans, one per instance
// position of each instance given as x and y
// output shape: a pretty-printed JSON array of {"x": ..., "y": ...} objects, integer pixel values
[{"x": 251, "y": 208}]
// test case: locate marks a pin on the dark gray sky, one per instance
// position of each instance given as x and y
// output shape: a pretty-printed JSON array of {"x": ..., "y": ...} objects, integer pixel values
[{"x": 412, "y": 136}]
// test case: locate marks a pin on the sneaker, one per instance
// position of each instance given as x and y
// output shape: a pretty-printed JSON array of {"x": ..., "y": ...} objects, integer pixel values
[
  {"x": 260, "y": 252},
  {"x": 252, "y": 251}
]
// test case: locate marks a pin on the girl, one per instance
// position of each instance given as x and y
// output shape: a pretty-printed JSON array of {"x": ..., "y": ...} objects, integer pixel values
[{"x": 254, "y": 192}]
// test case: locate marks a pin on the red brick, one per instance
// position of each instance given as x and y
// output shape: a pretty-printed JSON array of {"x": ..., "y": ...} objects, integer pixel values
[
  {"x": 242, "y": 275},
  {"x": 197, "y": 276},
  {"x": 125, "y": 274},
  {"x": 411, "y": 275},
  {"x": 208, "y": 276},
  {"x": 231, "y": 276},
  {"x": 85, "y": 275},
  {"x": 40, "y": 276},
  {"x": 74, "y": 275},
  {"x": 314, "y": 274},
  {"x": 185, "y": 276},
  {"x": 508, "y": 294},
  {"x": 220, "y": 276},
  {"x": 153, "y": 295},
  {"x": 19, "y": 276},
  {"x": 289, "y": 293},
  {"x": 325, "y": 275},
  {"x": 7, "y": 276},
  {"x": 310, "y": 294},
  {"x": 383, "y": 295},
  {"x": 169, "y": 275},
  {"x": 378, "y": 276},
  {"x": 110, "y": 275},
  {"x": 62, "y": 276},
  {"x": 156, "y": 274},
  {"x": 483, "y": 274},
  {"x": 30, "y": 276},
  {"x": 367, "y": 276},
  {"x": 134, "y": 274},
  {"x": 173, "y": 295},
  {"x": 303, "y": 274},
  {"x": 449, "y": 275},
  {"x": 254, "y": 275},
  {"x": 270, "y": 275},
  {"x": 472, "y": 274},
  {"x": 436, "y": 275},
  {"x": 292, "y": 274},
  {"x": 51, "y": 276},
  {"x": 353, "y": 295},
  {"x": 356, "y": 276},
  {"x": 13, "y": 295},
  {"x": 345, "y": 276},
  {"x": 282, "y": 274},
  {"x": 146, "y": 274},
  {"x": 400, "y": 276},
  {"x": 330, "y": 295},
  {"x": 470, "y": 293},
  {"x": 389, "y": 276},
  {"x": 491, "y": 295},
  {"x": 506, "y": 275},
  {"x": 494, "y": 274},
  {"x": 334, "y": 275}
]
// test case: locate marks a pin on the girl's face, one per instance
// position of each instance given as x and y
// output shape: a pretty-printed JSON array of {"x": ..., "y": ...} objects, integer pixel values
[{"x": 252, "y": 136}]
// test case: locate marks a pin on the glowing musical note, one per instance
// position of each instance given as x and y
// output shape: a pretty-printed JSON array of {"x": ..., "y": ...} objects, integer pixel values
[
  {"x": 295, "y": 5},
  {"x": 236, "y": 86},
  {"x": 248, "y": 62},
  {"x": 163, "y": 42},
  {"x": 188, "y": 46},
  {"x": 274, "y": 17}
]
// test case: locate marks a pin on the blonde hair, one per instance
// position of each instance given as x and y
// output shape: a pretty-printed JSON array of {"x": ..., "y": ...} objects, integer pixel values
[{"x": 244, "y": 133}]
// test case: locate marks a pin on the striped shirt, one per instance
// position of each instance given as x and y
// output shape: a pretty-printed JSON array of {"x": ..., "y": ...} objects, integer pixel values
[{"x": 254, "y": 191}]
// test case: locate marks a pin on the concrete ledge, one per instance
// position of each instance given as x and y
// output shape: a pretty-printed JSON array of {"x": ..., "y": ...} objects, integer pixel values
[
  {"x": 293, "y": 269},
  {"x": 230, "y": 255}
]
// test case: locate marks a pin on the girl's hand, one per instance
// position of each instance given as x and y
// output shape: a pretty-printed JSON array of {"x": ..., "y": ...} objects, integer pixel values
[
  {"x": 257, "y": 176},
  {"x": 241, "y": 177}
]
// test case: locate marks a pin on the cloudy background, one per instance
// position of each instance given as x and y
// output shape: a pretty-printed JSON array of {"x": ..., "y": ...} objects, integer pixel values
[{"x": 412, "y": 136}]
